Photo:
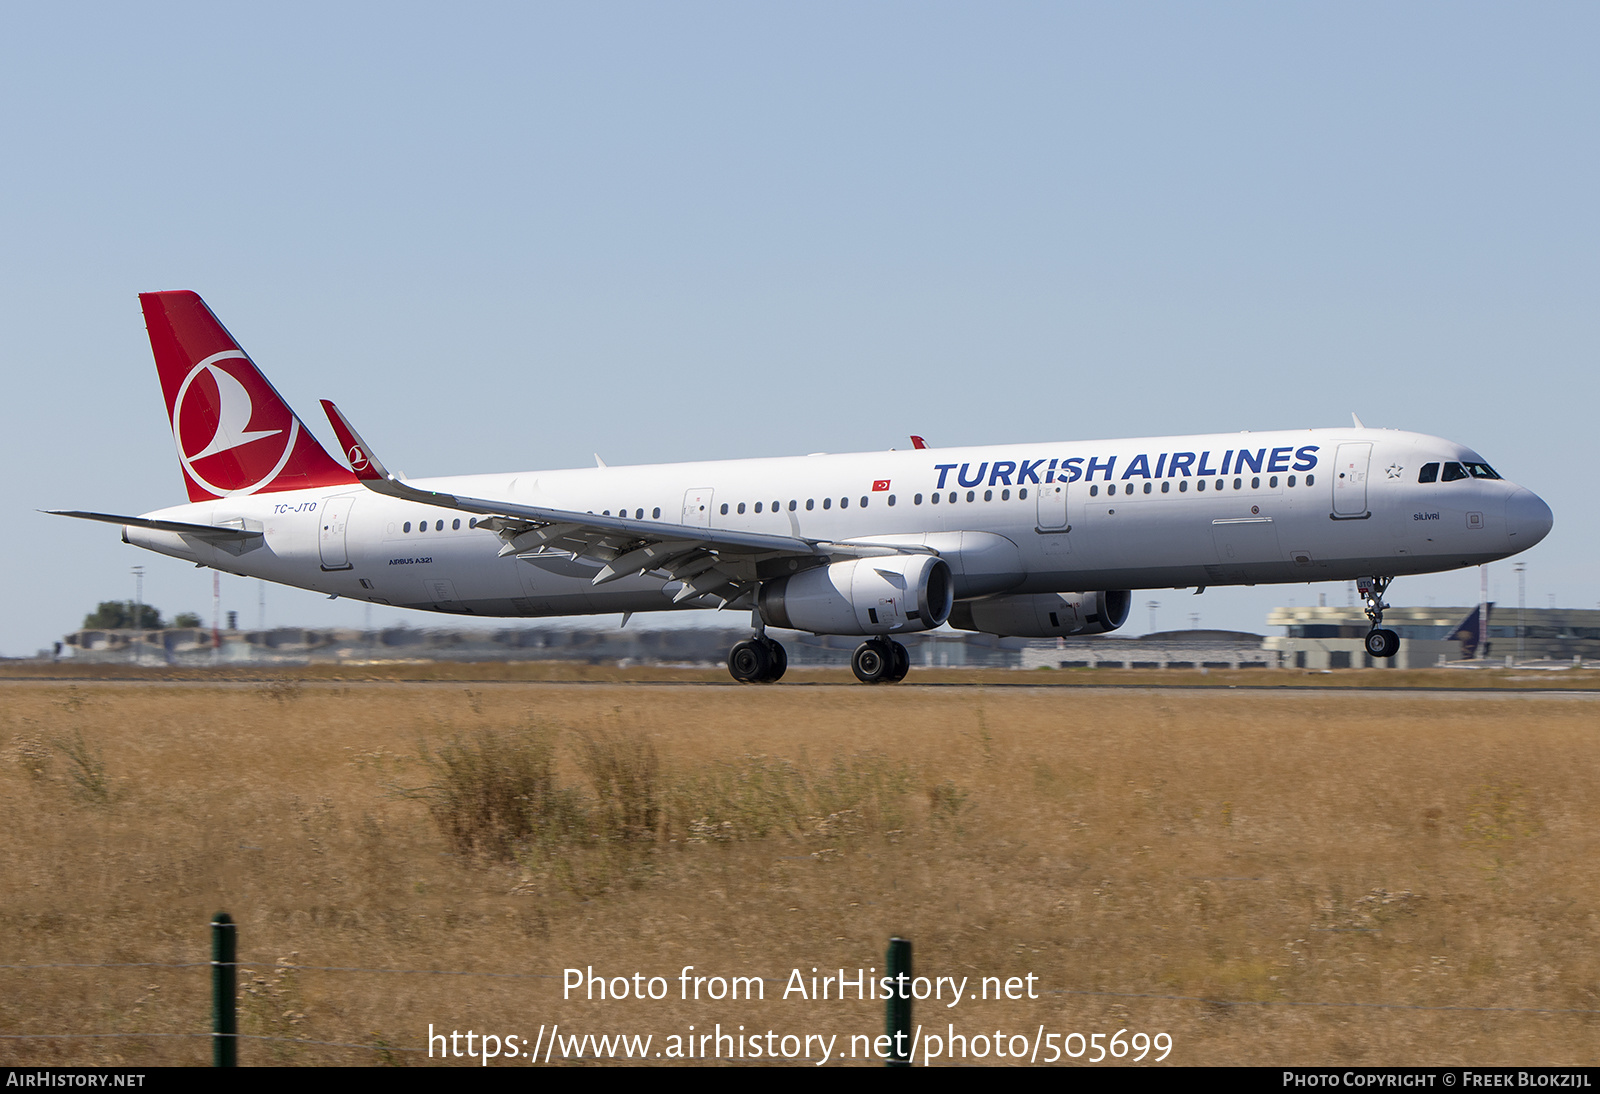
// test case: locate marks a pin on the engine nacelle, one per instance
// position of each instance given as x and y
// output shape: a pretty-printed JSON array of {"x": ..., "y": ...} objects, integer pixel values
[
  {"x": 1044, "y": 615},
  {"x": 863, "y": 596}
]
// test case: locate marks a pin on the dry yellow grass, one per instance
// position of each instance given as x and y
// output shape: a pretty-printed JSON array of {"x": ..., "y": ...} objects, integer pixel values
[{"x": 1251, "y": 872}]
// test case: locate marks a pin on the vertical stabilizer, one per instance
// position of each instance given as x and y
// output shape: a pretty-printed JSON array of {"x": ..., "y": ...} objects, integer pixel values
[
  {"x": 1473, "y": 632},
  {"x": 234, "y": 433}
]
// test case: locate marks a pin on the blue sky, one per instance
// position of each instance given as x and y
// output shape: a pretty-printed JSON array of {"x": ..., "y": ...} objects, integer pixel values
[{"x": 508, "y": 236}]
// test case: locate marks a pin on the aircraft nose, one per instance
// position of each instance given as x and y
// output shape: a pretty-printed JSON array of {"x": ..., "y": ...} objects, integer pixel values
[{"x": 1528, "y": 519}]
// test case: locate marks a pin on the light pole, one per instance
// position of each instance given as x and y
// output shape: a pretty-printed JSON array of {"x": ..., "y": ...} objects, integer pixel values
[
  {"x": 1152, "y": 605},
  {"x": 1522, "y": 602},
  {"x": 138, "y": 606}
]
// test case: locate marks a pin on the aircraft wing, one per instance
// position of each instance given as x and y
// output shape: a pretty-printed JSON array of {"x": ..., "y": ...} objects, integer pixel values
[{"x": 723, "y": 563}]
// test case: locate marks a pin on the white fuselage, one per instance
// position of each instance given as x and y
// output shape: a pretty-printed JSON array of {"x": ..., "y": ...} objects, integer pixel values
[{"x": 1305, "y": 505}]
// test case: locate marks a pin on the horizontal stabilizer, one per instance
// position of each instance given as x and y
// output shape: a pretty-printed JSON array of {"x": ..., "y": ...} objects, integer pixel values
[{"x": 203, "y": 531}]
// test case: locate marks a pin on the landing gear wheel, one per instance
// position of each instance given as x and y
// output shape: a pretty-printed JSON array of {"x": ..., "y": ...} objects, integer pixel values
[
  {"x": 873, "y": 662},
  {"x": 749, "y": 662},
  {"x": 1383, "y": 643},
  {"x": 901, "y": 663},
  {"x": 757, "y": 661},
  {"x": 779, "y": 661}
]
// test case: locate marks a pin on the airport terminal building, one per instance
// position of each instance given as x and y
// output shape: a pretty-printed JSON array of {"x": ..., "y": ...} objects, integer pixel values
[
  {"x": 1331, "y": 638},
  {"x": 1315, "y": 639}
]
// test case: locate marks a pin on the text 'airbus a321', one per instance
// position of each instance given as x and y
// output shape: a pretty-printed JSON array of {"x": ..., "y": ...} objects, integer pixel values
[{"x": 1025, "y": 540}]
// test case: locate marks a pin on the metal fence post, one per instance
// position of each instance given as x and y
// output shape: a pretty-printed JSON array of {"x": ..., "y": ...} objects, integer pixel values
[
  {"x": 897, "y": 1018},
  {"x": 224, "y": 1006}
]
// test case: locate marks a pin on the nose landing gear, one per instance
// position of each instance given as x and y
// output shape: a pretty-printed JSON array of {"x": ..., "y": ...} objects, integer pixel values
[{"x": 1379, "y": 642}]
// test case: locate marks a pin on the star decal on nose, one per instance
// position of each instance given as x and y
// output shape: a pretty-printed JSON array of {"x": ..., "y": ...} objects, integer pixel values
[{"x": 1395, "y": 470}]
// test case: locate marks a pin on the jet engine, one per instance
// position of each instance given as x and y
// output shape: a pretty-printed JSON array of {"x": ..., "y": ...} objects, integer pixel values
[
  {"x": 885, "y": 595},
  {"x": 1044, "y": 615}
]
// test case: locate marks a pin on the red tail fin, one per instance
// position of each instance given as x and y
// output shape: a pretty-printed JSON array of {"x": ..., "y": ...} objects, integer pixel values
[{"x": 235, "y": 434}]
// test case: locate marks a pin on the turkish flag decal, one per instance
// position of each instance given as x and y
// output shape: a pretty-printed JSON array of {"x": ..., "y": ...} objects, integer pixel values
[{"x": 880, "y": 484}]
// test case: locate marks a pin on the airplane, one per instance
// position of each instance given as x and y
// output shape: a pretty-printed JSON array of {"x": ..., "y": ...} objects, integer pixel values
[{"x": 1034, "y": 540}]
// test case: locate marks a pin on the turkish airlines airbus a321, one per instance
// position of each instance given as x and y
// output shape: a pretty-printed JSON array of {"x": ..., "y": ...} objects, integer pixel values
[{"x": 1027, "y": 540}]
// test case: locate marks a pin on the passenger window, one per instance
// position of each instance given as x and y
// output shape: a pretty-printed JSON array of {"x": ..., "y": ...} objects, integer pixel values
[
  {"x": 1094, "y": 491},
  {"x": 793, "y": 504},
  {"x": 775, "y": 507},
  {"x": 455, "y": 525},
  {"x": 1199, "y": 484},
  {"x": 741, "y": 508},
  {"x": 473, "y": 523},
  {"x": 844, "y": 503},
  {"x": 891, "y": 501},
  {"x": 1183, "y": 486},
  {"x": 1255, "y": 483},
  {"x": 724, "y": 508},
  {"x": 1005, "y": 495},
  {"x": 758, "y": 507},
  {"x": 1166, "y": 487},
  {"x": 988, "y": 495},
  {"x": 811, "y": 503},
  {"x": 406, "y": 526},
  {"x": 1273, "y": 482},
  {"x": 863, "y": 501},
  {"x": 1238, "y": 484},
  {"x": 638, "y": 514},
  {"x": 827, "y": 503},
  {"x": 952, "y": 497},
  {"x": 422, "y": 526},
  {"x": 917, "y": 500},
  {"x": 1454, "y": 471},
  {"x": 972, "y": 495},
  {"x": 1291, "y": 480},
  {"x": 1146, "y": 488},
  {"x": 1022, "y": 495},
  {"x": 1311, "y": 480},
  {"x": 934, "y": 499}
]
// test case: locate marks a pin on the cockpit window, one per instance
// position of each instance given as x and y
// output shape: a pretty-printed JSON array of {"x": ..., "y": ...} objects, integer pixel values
[
  {"x": 1429, "y": 473},
  {"x": 1454, "y": 471},
  {"x": 1480, "y": 471}
]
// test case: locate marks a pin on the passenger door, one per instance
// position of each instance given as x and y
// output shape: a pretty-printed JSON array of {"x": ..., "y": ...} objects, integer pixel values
[
  {"x": 1350, "y": 480},
  {"x": 335, "y": 522}
]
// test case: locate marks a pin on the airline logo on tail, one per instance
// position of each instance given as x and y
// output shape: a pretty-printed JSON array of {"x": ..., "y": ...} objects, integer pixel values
[
  {"x": 216, "y": 422},
  {"x": 234, "y": 433}
]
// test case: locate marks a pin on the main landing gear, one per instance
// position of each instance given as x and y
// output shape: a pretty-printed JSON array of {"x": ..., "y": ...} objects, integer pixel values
[
  {"x": 763, "y": 661},
  {"x": 760, "y": 660},
  {"x": 757, "y": 660},
  {"x": 880, "y": 661},
  {"x": 1379, "y": 642}
]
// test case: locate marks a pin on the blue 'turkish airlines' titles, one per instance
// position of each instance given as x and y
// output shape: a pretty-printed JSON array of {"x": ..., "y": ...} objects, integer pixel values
[{"x": 1168, "y": 465}]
